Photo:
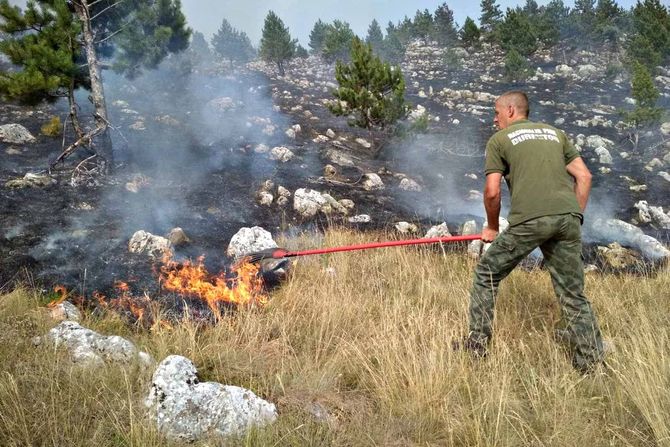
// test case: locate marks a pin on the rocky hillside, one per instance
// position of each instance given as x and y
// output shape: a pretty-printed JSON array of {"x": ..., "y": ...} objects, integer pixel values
[{"x": 214, "y": 151}]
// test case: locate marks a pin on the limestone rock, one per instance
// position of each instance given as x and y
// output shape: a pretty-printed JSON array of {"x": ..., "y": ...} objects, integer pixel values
[
  {"x": 93, "y": 349},
  {"x": 617, "y": 257},
  {"x": 65, "y": 311},
  {"x": 372, "y": 182},
  {"x": 249, "y": 240},
  {"x": 653, "y": 214},
  {"x": 605, "y": 157},
  {"x": 308, "y": 202},
  {"x": 407, "y": 184},
  {"x": 152, "y": 245},
  {"x": 177, "y": 237},
  {"x": 15, "y": 134},
  {"x": 361, "y": 218},
  {"x": 281, "y": 153},
  {"x": 406, "y": 227},
  {"x": 185, "y": 409},
  {"x": 440, "y": 230},
  {"x": 363, "y": 142}
]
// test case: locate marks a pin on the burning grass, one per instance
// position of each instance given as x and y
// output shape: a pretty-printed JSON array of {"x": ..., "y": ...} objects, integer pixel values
[{"x": 355, "y": 350}]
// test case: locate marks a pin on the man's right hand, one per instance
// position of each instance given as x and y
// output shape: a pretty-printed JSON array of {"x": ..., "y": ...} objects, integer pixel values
[{"x": 488, "y": 235}]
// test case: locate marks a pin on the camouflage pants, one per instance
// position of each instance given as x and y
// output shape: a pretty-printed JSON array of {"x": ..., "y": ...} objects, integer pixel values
[{"x": 559, "y": 238}]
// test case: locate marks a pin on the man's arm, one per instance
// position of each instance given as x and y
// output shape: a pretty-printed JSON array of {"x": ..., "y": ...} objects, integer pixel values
[
  {"x": 492, "y": 205},
  {"x": 578, "y": 170}
]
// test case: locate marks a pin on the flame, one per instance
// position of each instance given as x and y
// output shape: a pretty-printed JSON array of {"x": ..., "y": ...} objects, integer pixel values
[
  {"x": 63, "y": 295},
  {"x": 245, "y": 287}
]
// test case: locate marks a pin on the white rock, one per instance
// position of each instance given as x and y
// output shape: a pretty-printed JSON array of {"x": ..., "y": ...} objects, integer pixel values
[
  {"x": 185, "y": 409},
  {"x": 92, "y": 349},
  {"x": 653, "y": 214},
  {"x": 469, "y": 227},
  {"x": 564, "y": 70},
  {"x": 361, "y": 218},
  {"x": 372, "y": 182},
  {"x": 588, "y": 71},
  {"x": 665, "y": 128},
  {"x": 281, "y": 153},
  {"x": 15, "y": 134},
  {"x": 249, "y": 240},
  {"x": 406, "y": 227},
  {"x": 290, "y": 133},
  {"x": 654, "y": 163},
  {"x": 65, "y": 311},
  {"x": 604, "y": 156},
  {"x": 363, "y": 142},
  {"x": 477, "y": 248},
  {"x": 407, "y": 184},
  {"x": 150, "y": 244},
  {"x": 330, "y": 133},
  {"x": 261, "y": 149},
  {"x": 308, "y": 202},
  {"x": 596, "y": 141},
  {"x": 265, "y": 198},
  {"x": 664, "y": 175},
  {"x": 320, "y": 139},
  {"x": 559, "y": 121},
  {"x": 440, "y": 230}
]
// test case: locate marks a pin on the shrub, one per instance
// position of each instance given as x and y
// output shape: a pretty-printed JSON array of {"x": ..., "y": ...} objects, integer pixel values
[{"x": 53, "y": 128}]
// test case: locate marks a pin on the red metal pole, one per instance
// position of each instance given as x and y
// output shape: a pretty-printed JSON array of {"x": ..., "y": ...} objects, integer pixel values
[{"x": 446, "y": 239}]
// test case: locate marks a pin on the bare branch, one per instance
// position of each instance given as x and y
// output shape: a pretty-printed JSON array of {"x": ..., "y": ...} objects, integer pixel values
[
  {"x": 105, "y": 10},
  {"x": 113, "y": 34}
]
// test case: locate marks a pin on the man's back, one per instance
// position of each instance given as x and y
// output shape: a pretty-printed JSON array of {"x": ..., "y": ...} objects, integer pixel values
[{"x": 532, "y": 157}]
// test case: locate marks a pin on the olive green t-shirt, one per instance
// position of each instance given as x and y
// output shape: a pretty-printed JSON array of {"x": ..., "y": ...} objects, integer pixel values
[{"x": 532, "y": 158}]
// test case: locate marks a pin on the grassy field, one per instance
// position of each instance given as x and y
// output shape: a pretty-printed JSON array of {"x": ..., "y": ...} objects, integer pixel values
[{"x": 355, "y": 351}]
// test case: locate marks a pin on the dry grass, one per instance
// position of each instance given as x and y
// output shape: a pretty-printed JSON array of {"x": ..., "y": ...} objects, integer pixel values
[{"x": 363, "y": 341}]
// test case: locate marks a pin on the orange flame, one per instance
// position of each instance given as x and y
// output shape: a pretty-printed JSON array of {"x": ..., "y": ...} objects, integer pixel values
[
  {"x": 193, "y": 279},
  {"x": 63, "y": 294}
]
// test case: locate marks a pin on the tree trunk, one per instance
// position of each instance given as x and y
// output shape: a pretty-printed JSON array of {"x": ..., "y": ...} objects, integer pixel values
[{"x": 100, "y": 135}]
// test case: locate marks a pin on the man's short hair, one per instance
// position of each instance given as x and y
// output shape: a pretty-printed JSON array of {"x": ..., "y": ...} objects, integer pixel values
[{"x": 518, "y": 99}]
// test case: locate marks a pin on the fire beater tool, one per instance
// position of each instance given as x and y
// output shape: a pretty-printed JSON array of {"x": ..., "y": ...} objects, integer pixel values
[{"x": 279, "y": 253}]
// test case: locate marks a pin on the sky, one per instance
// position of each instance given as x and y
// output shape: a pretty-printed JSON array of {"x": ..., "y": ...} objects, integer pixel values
[{"x": 300, "y": 15}]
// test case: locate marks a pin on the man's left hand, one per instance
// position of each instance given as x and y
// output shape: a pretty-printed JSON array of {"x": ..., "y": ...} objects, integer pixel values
[{"x": 488, "y": 235}]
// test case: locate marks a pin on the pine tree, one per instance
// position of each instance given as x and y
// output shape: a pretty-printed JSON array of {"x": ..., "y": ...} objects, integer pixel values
[
  {"x": 375, "y": 38},
  {"x": 491, "y": 16},
  {"x": 276, "y": 43},
  {"x": 337, "y": 42},
  {"x": 651, "y": 21},
  {"x": 583, "y": 16},
  {"x": 232, "y": 44},
  {"x": 62, "y": 52},
  {"x": 301, "y": 52},
  {"x": 517, "y": 32},
  {"x": 370, "y": 91},
  {"x": 646, "y": 95},
  {"x": 317, "y": 36},
  {"x": 445, "y": 28},
  {"x": 608, "y": 17},
  {"x": 423, "y": 25},
  {"x": 470, "y": 33},
  {"x": 555, "y": 19},
  {"x": 393, "y": 48},
  {"x": 516, "y": 66}
]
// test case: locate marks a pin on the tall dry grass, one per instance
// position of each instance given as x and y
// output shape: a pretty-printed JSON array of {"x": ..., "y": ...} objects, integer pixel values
[{"x": 355, "y": 350}]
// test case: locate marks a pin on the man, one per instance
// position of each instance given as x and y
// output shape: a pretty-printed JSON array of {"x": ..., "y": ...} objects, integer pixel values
[{"x": 549, "y": 186}]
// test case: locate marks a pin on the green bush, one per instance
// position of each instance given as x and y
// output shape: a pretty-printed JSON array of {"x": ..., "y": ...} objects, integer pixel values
[
  {"x": 53, "y": 128},
  {"x": 516, "y": 66}
]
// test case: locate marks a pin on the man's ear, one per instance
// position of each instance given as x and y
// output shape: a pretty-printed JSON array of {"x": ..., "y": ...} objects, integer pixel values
[{"x": 510, "y": 111}]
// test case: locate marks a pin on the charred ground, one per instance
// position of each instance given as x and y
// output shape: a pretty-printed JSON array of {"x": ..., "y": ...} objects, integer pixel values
[{"x": 197, "y": 166}]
